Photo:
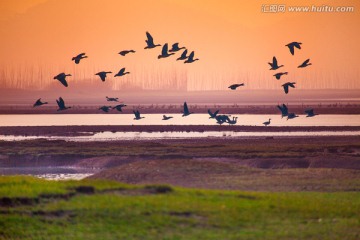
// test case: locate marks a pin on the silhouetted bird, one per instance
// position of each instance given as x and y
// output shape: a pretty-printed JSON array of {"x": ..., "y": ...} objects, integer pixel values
[
  {"x": 62, "y": 78},
  {"x": 186, "y": 111},
  {"x": 150, "y": 42},
  {"x": 235, "y": 86},
  {"x": 164, "y": 52},
  {"x": 278, "y": 75},
  {"x": 102, "y": 75},
  {"x": 310, "y": 113},
  {"x": 267, "y": 122},
  {"x": 166, "y": 117},
  {"x": 292, "y": 45},
  {"x": 137, "y": 115},
  {"x": 305, "y": 64},
  {"x": 233, "y": 121},
  {"x": 119, "y": 107},
  {"x": 183, "y": 55},
  {"x": 213, "y": 115},
  {"x": 274, "y": 64},
  {"x": 79, "y": 57},
  {"x": 121, "y": 73},
  {"x": 175, "y": 48},
  {"x": 123, "y": 53},
  {"x": 220, "y": 119},
  {"x": 105, "y": 108},
  {"x": 61, "y": 104},
  {"x": 39, "y": 103},
  {"x": 284, "y": 110},
  {"x": 110, "y": 99},
  {"x": 291, "y": 116},
  {"x": 287, "y": 85},
  {"x": 191, "y": 58}
]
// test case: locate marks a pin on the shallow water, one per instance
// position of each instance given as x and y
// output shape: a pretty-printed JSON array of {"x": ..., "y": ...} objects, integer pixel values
[
  {"x": 114, "y": 136},
  {"x": 156, "y": 119},
  {"x": 50, "y": 173}
]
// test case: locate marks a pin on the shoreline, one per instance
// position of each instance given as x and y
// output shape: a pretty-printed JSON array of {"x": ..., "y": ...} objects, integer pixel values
[{"x": 84, "y": 130}]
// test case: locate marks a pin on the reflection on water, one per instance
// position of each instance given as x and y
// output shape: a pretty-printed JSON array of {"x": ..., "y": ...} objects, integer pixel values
[
  {"x": 156, "y": 119},
  {"x": 113, "y": 136},
  {"x": 50, "y": 173}
]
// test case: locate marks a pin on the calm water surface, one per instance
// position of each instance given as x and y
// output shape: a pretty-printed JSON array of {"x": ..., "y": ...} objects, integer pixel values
[{"x": 156, "y": 119}]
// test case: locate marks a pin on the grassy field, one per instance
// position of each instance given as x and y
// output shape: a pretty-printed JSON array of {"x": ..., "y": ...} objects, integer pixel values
[{"x": 37, "y": 209}]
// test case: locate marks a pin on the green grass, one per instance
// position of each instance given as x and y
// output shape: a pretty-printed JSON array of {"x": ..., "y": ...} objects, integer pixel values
[{"x": 119, "y": 211}]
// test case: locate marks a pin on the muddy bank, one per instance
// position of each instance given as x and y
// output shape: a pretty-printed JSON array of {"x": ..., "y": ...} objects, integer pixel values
[{"x": 88, "y": 130}]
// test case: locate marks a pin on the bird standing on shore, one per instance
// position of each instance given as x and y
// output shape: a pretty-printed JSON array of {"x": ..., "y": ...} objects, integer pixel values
[{"x": 267, "y": 122}]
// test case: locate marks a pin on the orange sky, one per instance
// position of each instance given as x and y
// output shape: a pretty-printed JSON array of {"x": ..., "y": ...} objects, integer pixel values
[{"x": 233, "y": 39}]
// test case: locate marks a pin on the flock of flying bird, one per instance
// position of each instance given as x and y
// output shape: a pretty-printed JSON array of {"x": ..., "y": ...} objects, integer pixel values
[{"x": 220, "y": 119}]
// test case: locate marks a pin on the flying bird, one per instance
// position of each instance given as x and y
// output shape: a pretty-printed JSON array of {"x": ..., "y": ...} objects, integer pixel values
[
  {"x": 284, "y": 110},
  {"x": 287, "y": 85},
  {"x": 61, "y": 104},
  {"x": 291, "y": 116},
  {"x": 220, "y": 119},
  {"x": 292, "y": 45},
  {"x": 121, "y": 73},
  {"x": 164, "y": 52},
  {"x": 278, "y": 75},
  {"x": 235, "y": 86},
  {"x": 62, "y": 78},
  {"x": 150, "y": 42},
  {"x": 186, "y": 111},
  {"x": 79, "y": 57},
  {"x": 137, "y": 115},
  {"x": 191, "y": 58},
  {"x": 124, "y": 52},
  {"x": 305, "y": 63},
  {"x": 274, "y": 65},
  {"x": 213, "y": 115},
  {"x": 233, "y": 121},
  {"x": 175, "y": 47},
  {"x": 119, "y": 107},
  {"x": 105, "y": 108},
  {"x": 310, "y": 113},
  {"x": 102, "y": 75},
  {"x": 267, "y": 122},
  {"x": 110, "y": 99},
  {"x": 183, "y": 55},
  {"x": 166, "y": 117},
  {"x": 39, "y": 103}
]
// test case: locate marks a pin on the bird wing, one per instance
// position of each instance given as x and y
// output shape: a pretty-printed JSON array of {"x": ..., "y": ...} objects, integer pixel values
[
  {"x": 291, "y": 48},
  {"x": 210, "y": 113},
  {"x": 286, "y": 88},
  {"x": 186, "y": 109},
  {"x": 122, "y": 53},
  {"x": 121, "y": 72},
  {"x": 191, "y": 56},
  {"x": 80, "y": 55},
  {"x": 280, "y": 108},
  {"x": 164, "y": 50},
  {"x": 150, "y": 38},
  {"x": 274, "y": 61},
  {"x": 102, "y": 76},
  {"x": 297, "y": 45},
  {"x": 62, "y": 80},
  {"x": 216, "y": 112},
  {"x": 175, "y": 46},
  {"x": 309, "y": 111},
  {"x": 306, "y": 61},
  {"x": 292, "y": 85},
  {"x": 183, "y": 55}
]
